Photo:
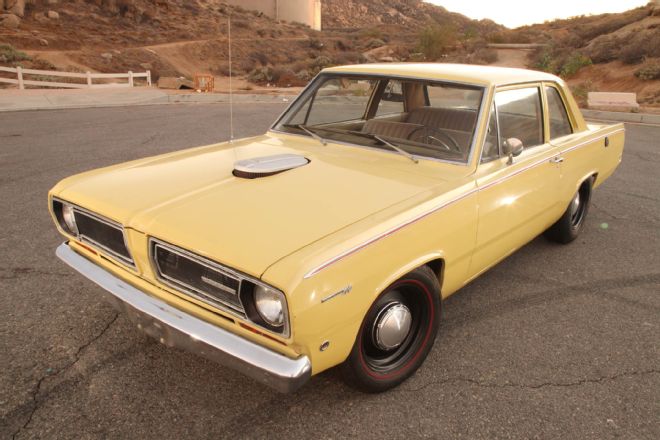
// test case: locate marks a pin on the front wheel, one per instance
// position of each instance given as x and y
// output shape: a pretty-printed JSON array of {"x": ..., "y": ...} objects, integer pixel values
[
  {"x": 397, "y": 333},
  {"x": 567, "y": 228}
]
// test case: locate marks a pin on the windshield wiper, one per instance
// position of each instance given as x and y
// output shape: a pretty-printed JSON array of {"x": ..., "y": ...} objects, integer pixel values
[
  {"x": 385, "y": 142},
  {"x": 312, "y": 134}
]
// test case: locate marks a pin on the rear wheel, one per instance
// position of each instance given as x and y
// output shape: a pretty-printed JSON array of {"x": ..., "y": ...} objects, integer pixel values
[
  {"x": 397, "y": 333},
  {"x": 568, "y": 227}
]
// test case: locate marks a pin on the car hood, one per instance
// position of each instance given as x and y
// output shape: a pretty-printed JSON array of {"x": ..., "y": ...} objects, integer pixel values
[{"x": 192, "y": 199}]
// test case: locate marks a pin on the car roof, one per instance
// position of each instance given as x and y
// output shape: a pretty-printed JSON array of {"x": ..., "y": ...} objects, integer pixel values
[{"x": 464, "y": 73}]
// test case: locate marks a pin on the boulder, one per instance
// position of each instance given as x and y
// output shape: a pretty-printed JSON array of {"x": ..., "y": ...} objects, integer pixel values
[
  {"x": 9, "y": 21},
  {"x": 53, "y": 15},
  {"x": 16, "y": 7},
  {"x": 43, "y": 42},
  {"x": 106, "y": 55},
  {"x": 170, "y": 82}
]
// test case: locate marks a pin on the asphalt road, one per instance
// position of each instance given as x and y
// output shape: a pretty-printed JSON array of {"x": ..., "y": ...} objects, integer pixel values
[{"x": 555, "y": 342}]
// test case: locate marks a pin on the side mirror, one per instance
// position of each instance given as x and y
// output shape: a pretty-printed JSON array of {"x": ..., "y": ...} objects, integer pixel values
[{"x": 512, "y": 147}]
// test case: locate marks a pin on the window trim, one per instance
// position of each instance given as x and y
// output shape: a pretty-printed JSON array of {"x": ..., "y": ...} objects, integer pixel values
[
  {"x": 562, "y": 100},
  {"x": 541, "y": 93}
]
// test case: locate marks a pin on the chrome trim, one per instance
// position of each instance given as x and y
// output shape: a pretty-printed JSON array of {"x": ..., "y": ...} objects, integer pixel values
[
  {"x": 345, "y": 291},
  {"x": 176, "y": 328},
  {"x": 191, "y": 290},
  {"x": 391, "y": 231},
  {"x": 270, "y": 164},
  {"x": 216, "y": 303},
  {"x": 130, "y": 262}
]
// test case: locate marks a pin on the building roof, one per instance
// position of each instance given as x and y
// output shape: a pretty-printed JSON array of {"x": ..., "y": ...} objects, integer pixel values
[{"x": 465, "y": 73}]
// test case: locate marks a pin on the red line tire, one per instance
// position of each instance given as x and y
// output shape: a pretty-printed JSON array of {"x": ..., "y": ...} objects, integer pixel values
[{"x": 380, "y": 360}]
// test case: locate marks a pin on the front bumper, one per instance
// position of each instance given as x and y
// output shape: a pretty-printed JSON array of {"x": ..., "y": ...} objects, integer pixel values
[{"x": 175, "y": 328}]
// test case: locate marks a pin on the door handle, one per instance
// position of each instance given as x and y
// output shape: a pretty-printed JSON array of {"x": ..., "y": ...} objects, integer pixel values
[{"x": 557, "y": 159}]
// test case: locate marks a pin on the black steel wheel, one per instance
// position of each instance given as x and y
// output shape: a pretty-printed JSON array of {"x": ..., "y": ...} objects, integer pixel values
[
  {"x": 396, "y": 334},
  {"x": 568, "y": 227}
]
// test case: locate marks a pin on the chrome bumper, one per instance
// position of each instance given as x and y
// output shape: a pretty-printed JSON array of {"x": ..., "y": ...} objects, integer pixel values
[{"x": 175, "y": 328}]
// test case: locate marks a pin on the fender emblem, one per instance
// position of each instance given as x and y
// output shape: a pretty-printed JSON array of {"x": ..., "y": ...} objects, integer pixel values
[{"x": 343, "y": 291}]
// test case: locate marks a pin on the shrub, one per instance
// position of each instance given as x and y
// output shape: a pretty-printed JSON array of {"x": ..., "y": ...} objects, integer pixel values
[
  {"x": 264, "y": 74},
  {"x": 8, "y": 54},
  {"x": 574, "y": 63},
  {"x": 649, "y": 72},
  {"x": 343, "y": 45},
  {"x": 434, "y": 41},
  {"x": 259, "y": 57},
  {"x": 375, "y": 43},
  {"x": 315, "y": 43},
  {"x": 633, "y": 53},
  {"x": 542, "y": 59},
  {"x": 581, "y": 92}
]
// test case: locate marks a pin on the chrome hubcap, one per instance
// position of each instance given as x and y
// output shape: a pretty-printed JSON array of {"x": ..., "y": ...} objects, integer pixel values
[{"x": 392, "y": 325}]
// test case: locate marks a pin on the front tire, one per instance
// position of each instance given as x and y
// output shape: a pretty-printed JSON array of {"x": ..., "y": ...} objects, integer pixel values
[
  {"x": 397, "y": 333},
  {"x": 568, "y": 227}
]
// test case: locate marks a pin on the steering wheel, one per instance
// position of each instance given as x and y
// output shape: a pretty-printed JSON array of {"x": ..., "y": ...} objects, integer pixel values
[{"x": 452, "y": 145}]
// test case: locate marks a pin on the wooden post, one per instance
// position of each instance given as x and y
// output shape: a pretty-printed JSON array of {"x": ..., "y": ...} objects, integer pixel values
[
  {"x": 19, "y": 72},
  {"x": 130, "y": 79},
  {"x": 149, "y": 78},
  {"x": 89, "y": 79}
]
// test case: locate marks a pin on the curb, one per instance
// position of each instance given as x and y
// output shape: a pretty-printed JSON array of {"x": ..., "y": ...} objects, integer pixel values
[
  {"x": 191, "y": 98},
  {"x": 638, "y": 118}
]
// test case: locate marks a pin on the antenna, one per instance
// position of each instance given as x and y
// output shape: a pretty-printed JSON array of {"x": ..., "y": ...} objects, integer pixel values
[{"x": 231, "y": 100}]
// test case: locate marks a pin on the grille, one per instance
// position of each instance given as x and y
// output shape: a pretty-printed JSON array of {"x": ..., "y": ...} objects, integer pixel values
[
  {"x": 103, "y": 234},
  {"x": 197, "y": 276}
]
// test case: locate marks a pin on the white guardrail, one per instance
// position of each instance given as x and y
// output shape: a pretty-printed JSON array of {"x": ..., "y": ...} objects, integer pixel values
[{"x": 21, "y": 82}]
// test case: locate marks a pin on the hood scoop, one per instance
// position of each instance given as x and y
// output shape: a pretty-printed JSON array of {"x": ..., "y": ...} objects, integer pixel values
[{"x": 267, "y": 165}]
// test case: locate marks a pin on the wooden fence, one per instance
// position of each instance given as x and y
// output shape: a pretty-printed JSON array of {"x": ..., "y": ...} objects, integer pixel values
[{"x": 22, "y": 82}]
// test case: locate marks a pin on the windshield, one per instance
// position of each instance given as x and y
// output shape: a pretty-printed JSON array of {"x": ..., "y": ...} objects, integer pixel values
[{"x": 422, "y": 118}]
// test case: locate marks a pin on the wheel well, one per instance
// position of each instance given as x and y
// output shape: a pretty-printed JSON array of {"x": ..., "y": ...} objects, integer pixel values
[
  {"x": 593, "y": 178},
  {"x": 438, "y": 268}
]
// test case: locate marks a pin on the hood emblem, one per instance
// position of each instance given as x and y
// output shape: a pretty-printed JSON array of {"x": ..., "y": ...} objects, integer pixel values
[{"x": 268, "y": 165}]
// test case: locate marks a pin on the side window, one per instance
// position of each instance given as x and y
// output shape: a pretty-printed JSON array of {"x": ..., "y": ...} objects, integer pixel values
[
  {"x": 491, "y": 149},
  {"x": 391, "y": 102},
  {"x": 560, "y": 125},
  {"x": 520, "y": 115}
]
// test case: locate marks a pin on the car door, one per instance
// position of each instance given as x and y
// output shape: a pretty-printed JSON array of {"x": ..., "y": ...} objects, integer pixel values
[{"x": 517, "y": 199}]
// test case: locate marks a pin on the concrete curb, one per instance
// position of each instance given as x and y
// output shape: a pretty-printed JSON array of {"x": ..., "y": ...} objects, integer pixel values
[
  {"x": 639, "y": 118},
  {"x": 49, "y": 102}
]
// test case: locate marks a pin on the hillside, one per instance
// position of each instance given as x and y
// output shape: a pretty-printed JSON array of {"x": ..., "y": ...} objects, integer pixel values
[{"x": 184, "y": 37}]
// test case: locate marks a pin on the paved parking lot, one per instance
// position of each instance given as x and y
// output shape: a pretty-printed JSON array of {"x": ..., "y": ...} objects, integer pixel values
[{"x": 555, "y": 342}]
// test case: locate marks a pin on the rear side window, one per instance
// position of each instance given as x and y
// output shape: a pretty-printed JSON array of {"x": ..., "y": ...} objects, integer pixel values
[
  {"x": 520, "y": 115},
  {"x": 560, "y": 125}
]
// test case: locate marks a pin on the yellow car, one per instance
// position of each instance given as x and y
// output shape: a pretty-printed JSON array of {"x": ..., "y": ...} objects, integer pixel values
[{"x": 333, "y": 238}]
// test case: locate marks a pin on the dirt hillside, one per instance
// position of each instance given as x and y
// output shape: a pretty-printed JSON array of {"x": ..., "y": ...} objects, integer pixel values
[{"x": 184, "y": 37}]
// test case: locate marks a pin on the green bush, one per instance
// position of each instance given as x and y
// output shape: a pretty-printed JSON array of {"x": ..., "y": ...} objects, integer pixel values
[
  {"x": 375, "y": 43},
  {"x": 435, "y": 41},
  {"x": 9, "y": 54},
  {"x": 575, "y": 62},
  {"x": 649, "y": 72}
]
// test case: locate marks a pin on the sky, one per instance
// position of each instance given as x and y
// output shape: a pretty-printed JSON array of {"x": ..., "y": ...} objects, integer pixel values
[{"x": 514, "y": 13}]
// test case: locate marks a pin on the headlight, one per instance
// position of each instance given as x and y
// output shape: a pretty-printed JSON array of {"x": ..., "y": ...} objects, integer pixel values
[
  {"x": 270, "y": 305},
  {"x": 69, "y": 218}
]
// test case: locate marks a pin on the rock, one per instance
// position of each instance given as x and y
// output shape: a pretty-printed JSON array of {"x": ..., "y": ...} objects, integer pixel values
[
  {"x": 43, "y": 41},
  {"x": 53, "y": 15},
  {"x": 106, "y": 55},
  {"x": 39, "y": 17},
  {"x": 16, "y": 7},
  {"x": 146, "y": 66},
  {"x": 9, "y": 21},
  {"x": 170, "y": 82}
]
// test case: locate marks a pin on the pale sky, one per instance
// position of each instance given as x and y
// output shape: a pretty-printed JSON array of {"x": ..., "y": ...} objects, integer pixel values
[{"x": 514, "y": 13}]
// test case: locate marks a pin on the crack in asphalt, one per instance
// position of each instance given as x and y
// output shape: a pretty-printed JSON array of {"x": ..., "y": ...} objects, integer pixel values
[
  {"x": 625, "y": 374},
  {"x": 37, "y": 389}
]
